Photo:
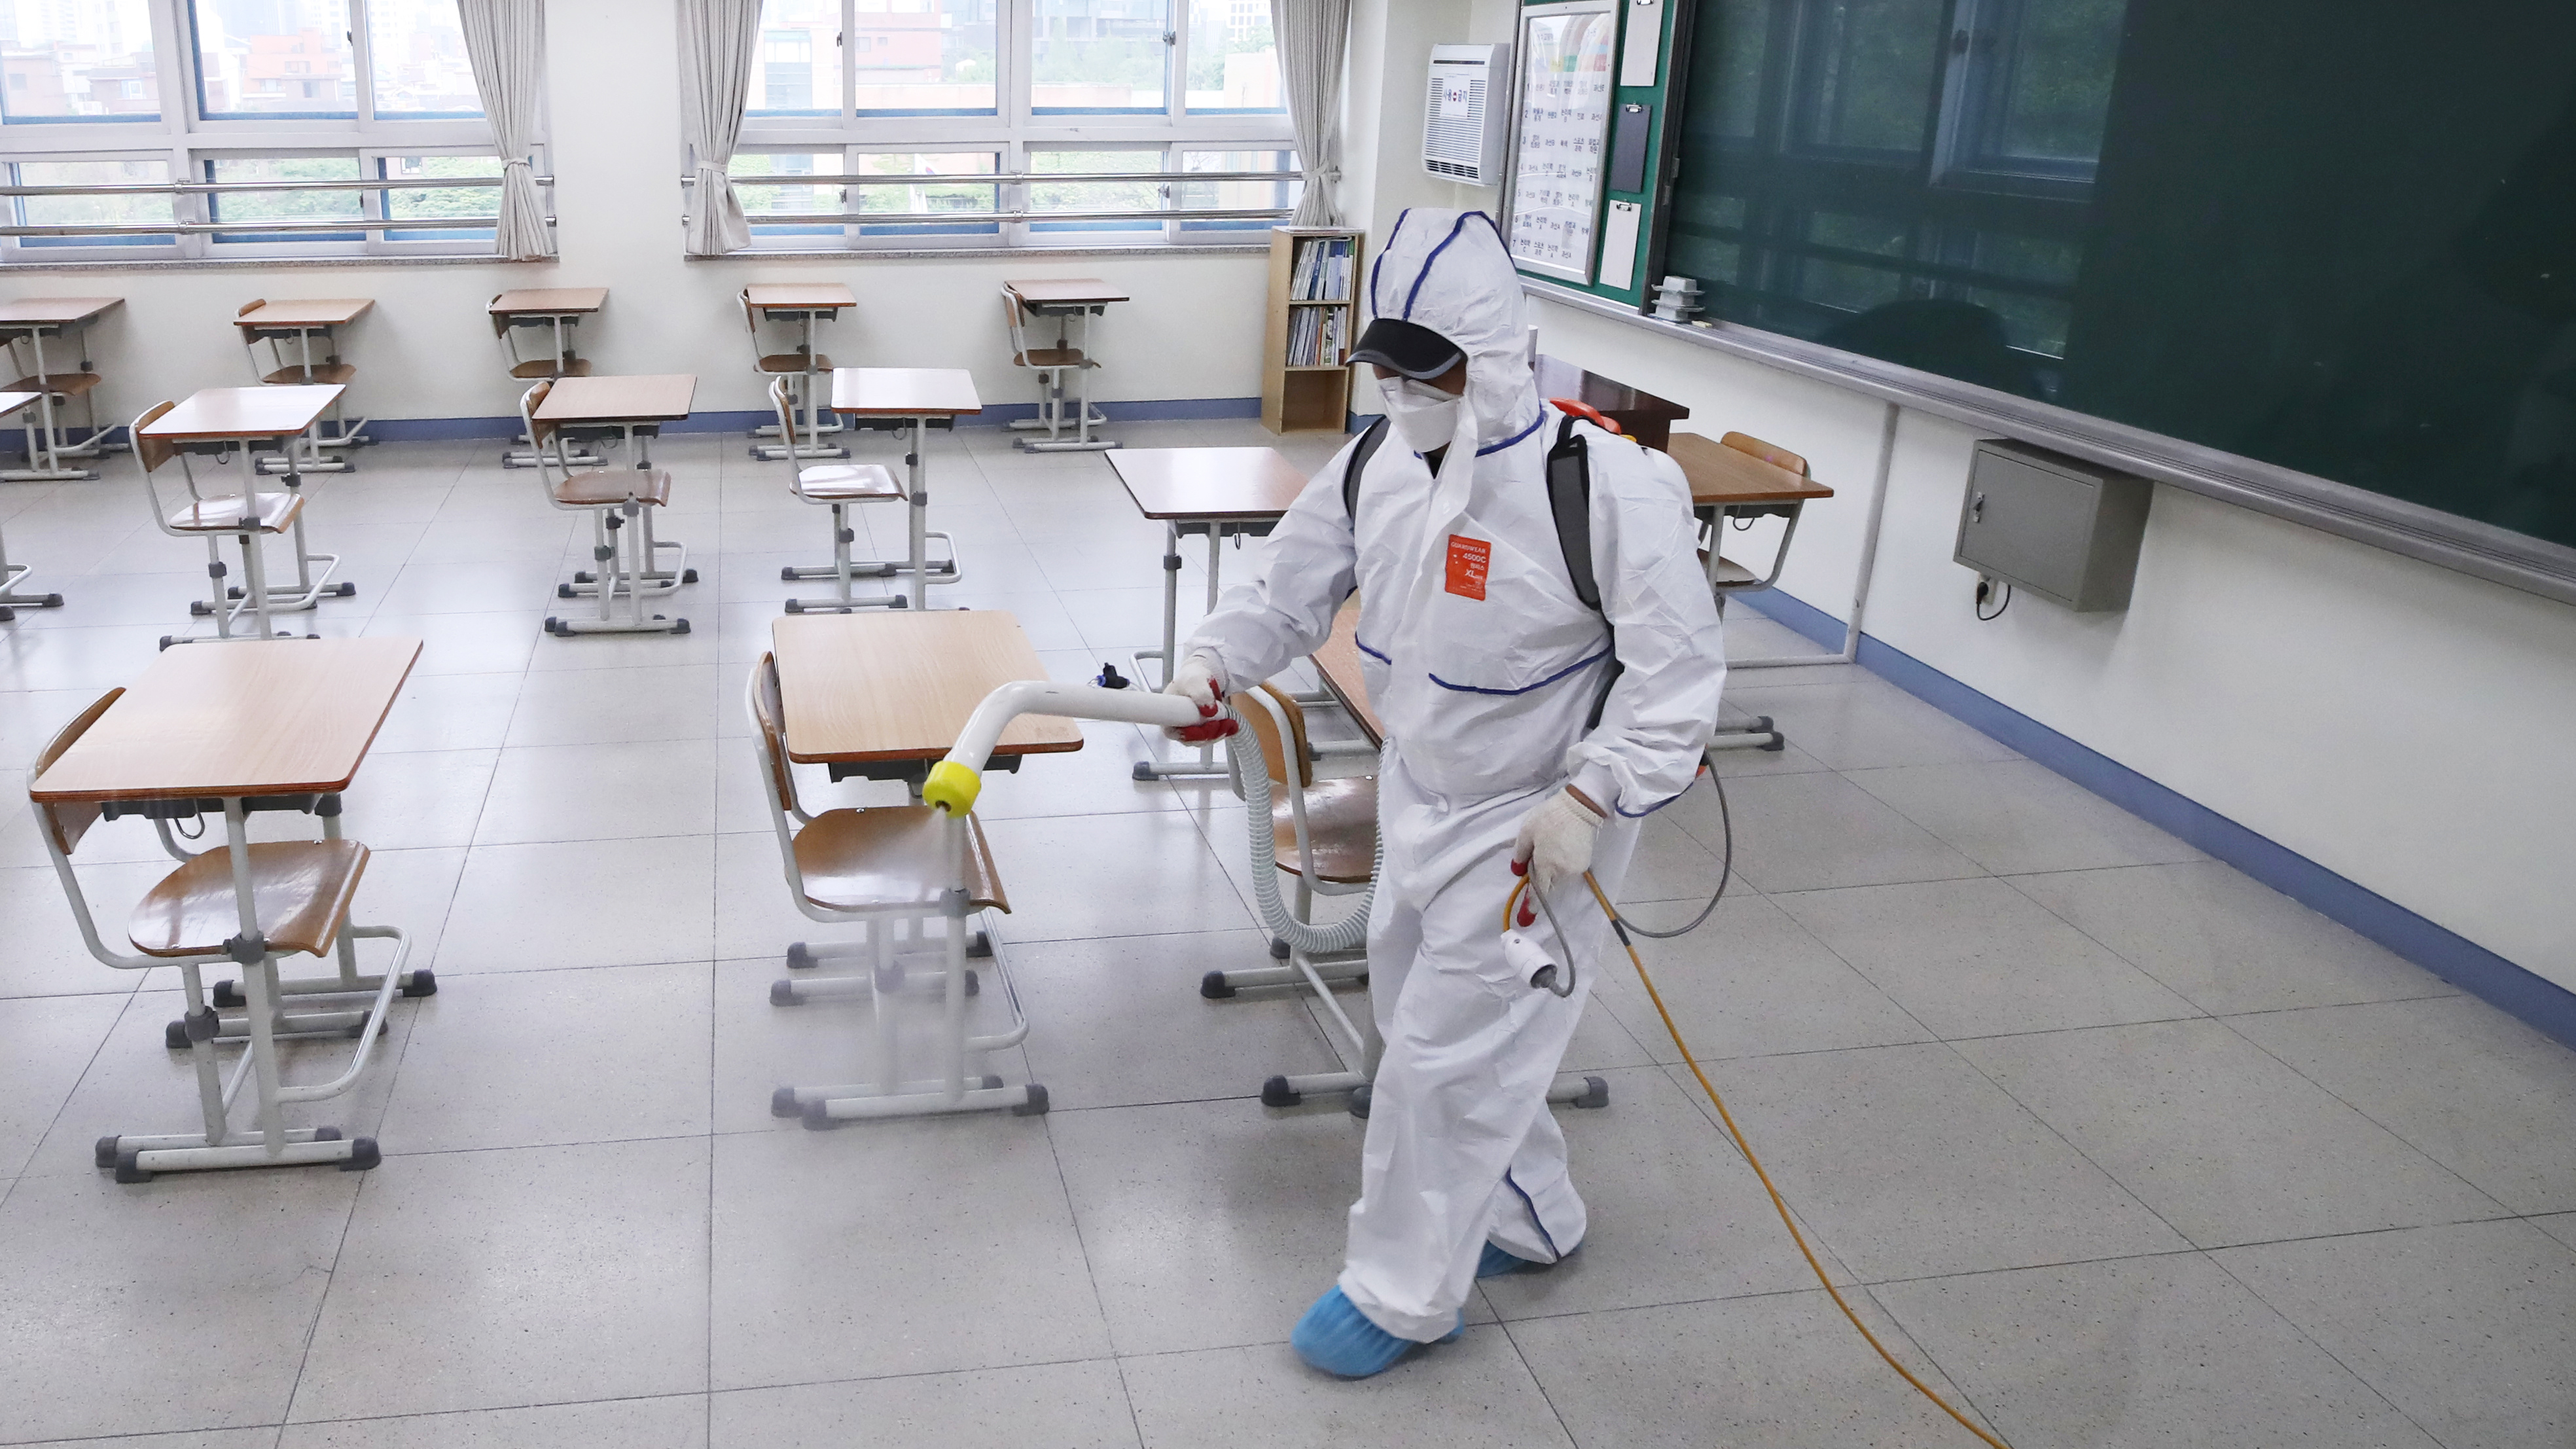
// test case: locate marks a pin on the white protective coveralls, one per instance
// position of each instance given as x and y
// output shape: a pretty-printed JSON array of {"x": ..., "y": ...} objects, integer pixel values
[{"x": 1484, "y": 665}]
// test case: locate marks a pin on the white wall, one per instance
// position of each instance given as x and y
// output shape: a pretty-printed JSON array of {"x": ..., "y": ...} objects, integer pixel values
[
  {"x": 427, "y": 351},
  {"x": 2410, "y": 728}
]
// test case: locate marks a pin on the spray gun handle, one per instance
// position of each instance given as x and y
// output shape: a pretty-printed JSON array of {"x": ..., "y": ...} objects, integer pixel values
[{"x": 957, "y": 779}]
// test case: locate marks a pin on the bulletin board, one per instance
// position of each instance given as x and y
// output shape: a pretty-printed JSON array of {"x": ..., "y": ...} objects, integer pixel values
[{"x": 1591, "y": 80}]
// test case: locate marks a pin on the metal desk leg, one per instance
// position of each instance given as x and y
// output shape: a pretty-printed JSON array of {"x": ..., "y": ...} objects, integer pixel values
[
  {"x": 918, "y": 464},
  {"x": 1206, "y": 766}
]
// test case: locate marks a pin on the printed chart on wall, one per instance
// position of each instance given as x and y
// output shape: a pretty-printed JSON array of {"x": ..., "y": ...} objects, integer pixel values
[{"x": 1564, "y": 119}]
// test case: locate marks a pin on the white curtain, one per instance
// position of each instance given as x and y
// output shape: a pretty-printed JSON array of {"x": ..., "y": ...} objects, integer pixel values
[
  {"x": 1312, "y": 35},
  {"x": 717, "y": 41},
  {"x": 505, "y": 42}
]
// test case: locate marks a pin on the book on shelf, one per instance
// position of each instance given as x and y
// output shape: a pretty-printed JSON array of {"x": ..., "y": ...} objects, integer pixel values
[
  {"x": 1321, "y": 271},
  {"x": 1317, "y": 337}
]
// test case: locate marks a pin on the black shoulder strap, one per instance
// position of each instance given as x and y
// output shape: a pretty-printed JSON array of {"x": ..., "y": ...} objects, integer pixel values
[
  {"x": 1569, "y": 501},
  {"x": 1351, "y": 471}
]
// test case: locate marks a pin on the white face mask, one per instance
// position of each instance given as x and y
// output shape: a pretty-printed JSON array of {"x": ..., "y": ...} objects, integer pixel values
[{"x": 1424, "y": 416}]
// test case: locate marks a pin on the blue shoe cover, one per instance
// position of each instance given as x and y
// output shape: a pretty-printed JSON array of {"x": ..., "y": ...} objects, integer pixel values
[
  {"x": 1336, "y": 1337},
  {"x": 1497, "y": 1261}
]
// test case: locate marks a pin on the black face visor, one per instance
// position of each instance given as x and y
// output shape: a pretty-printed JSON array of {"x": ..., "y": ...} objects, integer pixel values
[{"x": 1407, "y": 349}]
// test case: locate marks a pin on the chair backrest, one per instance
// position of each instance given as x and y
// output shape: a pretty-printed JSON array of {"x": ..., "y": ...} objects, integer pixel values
[
  {"x": 1011, "y": 318},
  {"x": 151, "y": 452},
  {"x": 1274, "y": 734},
  {"x": 66, "y": 824},
  {"x": 253, "y": 305},
  {"x": 1777, "y": 457},
  {"x": 750, "y": 320},
  {"x": 538, "y": 430},
  {"x": 769, "y": 722},
  {"x": 500, "y": 320},
  {"x": 783, "y": 403}
]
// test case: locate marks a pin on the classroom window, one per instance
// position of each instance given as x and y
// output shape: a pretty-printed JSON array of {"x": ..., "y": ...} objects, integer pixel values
[
  {"x": 77, "y": 62},
  {"x": 787, "y": 199},
  {"x": 257, "y": 91},
  {"x": 1023, "y": 88}
]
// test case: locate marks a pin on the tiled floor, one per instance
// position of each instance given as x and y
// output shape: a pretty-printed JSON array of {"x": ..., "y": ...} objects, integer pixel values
[{"x": 2113, "y": 1144}]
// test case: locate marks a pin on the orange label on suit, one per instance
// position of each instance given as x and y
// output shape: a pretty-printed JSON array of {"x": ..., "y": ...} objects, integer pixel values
[{"x": 1468, "y": 560}]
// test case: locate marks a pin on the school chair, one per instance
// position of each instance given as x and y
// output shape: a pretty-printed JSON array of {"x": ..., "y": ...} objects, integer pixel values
[
  {"x": 620, "y": 535},
  {"x": 245, "y": 518}
]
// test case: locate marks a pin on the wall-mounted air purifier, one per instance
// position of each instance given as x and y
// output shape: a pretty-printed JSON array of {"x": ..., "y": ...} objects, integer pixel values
[{"x": 1468, "y": 115}]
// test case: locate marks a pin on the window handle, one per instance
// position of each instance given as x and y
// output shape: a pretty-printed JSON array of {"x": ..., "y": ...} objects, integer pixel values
[{"x": 1977, "y": 509}]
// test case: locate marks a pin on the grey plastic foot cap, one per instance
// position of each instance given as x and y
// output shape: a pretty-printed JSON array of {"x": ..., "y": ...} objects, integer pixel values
[
  {"x": 1279, "y": 950},
  {"x": 1035, "y": 1106},
  {"x": 105, "y": 1152},
  {"x": 227, "y": 994},
  {"x": 1213, "y": 986},
  {"x": 1142, "y": 771},
  {"x": 979, "y": 946},
  {"x": 326, "y": 1134},
  {"x": 129, "y": 1167},
  {"x": 783, "y": 1103},
  {"x": 175, "y": 1036},
  {"x": 362, "y": 1155},
  {"x": 783, "y": 993},
  {"x": 816, "y": 1119},
  {"x": 1596, "y": 1093},
  {"x": 422, "y": 983},
  {"x": 1360, "y": 1102},
  {"x": 974, "y": 984},
  {"x": 800, "y": 956},
  {"x": 1277, "y": 1093}
]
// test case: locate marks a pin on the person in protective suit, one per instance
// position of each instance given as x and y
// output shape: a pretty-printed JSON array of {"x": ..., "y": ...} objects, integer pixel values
[{"x": 1486, "y": 667}]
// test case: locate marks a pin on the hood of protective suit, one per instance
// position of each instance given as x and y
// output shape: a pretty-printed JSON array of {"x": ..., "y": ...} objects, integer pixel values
[{"x": 1448, "y": 271}]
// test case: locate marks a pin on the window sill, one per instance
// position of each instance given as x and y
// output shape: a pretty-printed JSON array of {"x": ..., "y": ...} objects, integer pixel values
[
  {"x": 235, "y": 264},
  {"x": 846, "y": 254}
]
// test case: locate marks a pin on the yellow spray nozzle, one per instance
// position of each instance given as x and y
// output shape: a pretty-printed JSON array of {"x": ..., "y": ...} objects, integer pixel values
[{"x": 952, "y": 786}]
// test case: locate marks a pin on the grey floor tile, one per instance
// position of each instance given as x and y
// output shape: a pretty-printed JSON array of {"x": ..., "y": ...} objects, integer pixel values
[
  {"x": 1815, "y": 830},
  {"x": 2483, "y": 1094},
  {"x": 1865, "y": 724},
  {"x": 2219, "y": 1138},
  {"x": 2561, "y": 1226},
  {"x": 2015, "y": 816},
  {"x": 406, "y": 801},
  {"x": 1112, "y": 875},
  {"x": 1078, "y": 1405},
  {"x": 546, "y": 1058},
  {"x": 450, "y": 712},
  {"x": 677, "y": 1421},
  {"x": 1731, "y": 762},
  {"x": 2143, "y": 1351},
  {"x": 479, "y": 1280},
  {"x": 260, "y": 1438},
  {"x": 1750, "y": 982},
  {"x": 585, "y": 903},
  {"x": 604, "y": 706},
  {"x": 1121, "y": 1021},
  {"x": 1675, "y": 1214},
  {"x": 2470, "y": 1330},
  {"x": 1475, "y": 1392},
  {"x": 1669, "y": 864},
  {"x": 816, "y": 1233},
  {"x": 2227, "y": 942},
  {"x": 1782, "y": 1369},
  {"x": 46, "y": 955},
  {"x": 46, "y": 1046},
  {"x": 1911, "y": 1164},
  {"x": 1975, "y": 958},
  {"x": 101, "y": 1280},
  {"x": 600, "y": 792}
]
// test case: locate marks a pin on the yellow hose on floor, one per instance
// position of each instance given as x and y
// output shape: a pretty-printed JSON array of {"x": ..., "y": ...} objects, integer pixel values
[{"x": 1778, "y": 1204}]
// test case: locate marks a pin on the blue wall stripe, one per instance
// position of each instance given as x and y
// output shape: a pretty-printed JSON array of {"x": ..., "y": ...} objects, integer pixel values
[{"x": 2536, "y": 1000}]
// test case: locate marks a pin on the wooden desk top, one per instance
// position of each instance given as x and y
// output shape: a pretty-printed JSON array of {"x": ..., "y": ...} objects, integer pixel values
[
  {"x": 652, "y": 398},
  {"x": 1337, "y": 663},
  {"x": 905, "y": 392},
  {"x": 1564, "y": 379},
  {"x": 316, "y": 312},
  {"x": 1208, "y": 483},
  {"x": 263, "y": 717},
  {"x": 1064, "y": 291},
  {"x": 10, "y": 402},
  {"x": 549, "y": 301},
  {"x": 899, "y": 685},
  {"x": 55, "y": 311},
  {"x": 799, "y": 296},
  {"x": 1720, "y": 475},
  {"x": 245, "y": 412}
]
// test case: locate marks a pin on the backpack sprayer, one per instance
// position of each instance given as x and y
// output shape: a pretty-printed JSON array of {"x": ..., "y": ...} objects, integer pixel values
[{"x": 957, "y": 779}]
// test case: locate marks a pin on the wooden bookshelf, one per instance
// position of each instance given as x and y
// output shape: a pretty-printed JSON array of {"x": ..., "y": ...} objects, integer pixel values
[{"x": 1314, "y": 323}]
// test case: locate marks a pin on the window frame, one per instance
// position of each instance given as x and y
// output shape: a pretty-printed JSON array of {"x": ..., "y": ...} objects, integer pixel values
[
  {"x": 188, "y": 140},
  {"x": 1011, "y": 131}
]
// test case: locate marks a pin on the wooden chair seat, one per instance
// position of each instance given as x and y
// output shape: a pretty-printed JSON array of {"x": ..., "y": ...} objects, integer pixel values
[
  {"x": 61, "y": 384},
  {"x": 1730, "y": 574},
  {"x": 606, "y": 487},
  {"x": 847, "y": 482},
  {"x": 323, "y": 373},
  {"x": 276, "y": 513},
  {"x": 793, "y": 362},
  {"x": 300, "y": 890},
  {"x": 1051, "y": 357},
  {"x": 889, "y": 856},
  {"x": 545, "y": 367},
  {"x": 1341, "y": 829}
]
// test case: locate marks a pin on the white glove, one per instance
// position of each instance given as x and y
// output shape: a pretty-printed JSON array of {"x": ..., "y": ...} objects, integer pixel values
[
  {"x": 1555, "y": 842},
  {"x": 1200, "y": 681}
]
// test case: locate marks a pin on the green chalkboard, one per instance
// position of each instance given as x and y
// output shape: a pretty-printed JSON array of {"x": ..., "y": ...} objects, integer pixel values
[{"x": 2334, "y": 235}]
